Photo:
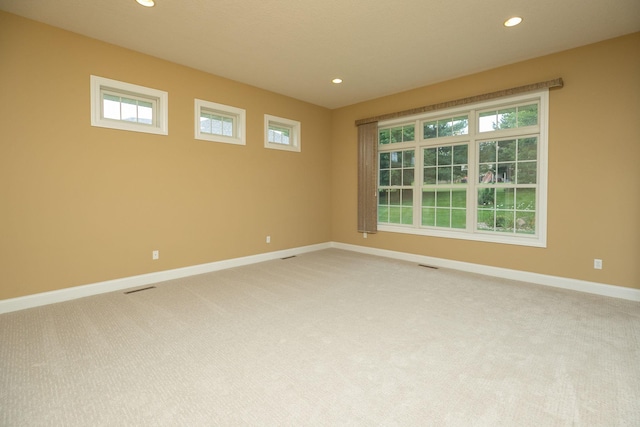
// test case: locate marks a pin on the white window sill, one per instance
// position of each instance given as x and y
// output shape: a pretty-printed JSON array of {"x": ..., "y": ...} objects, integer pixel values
[{"x": 489, "y": 237}]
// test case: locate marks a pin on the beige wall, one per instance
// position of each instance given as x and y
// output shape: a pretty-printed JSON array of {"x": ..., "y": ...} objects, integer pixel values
[
  {"x": 82, "y": 204},
  {"x": 594, "y": 158}
]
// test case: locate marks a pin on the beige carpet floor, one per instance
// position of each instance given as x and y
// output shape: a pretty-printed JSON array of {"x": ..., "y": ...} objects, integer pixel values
[{"x": 325, "y": 339}]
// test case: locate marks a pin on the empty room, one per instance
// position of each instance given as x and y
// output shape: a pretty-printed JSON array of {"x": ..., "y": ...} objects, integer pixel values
[{"x": 319, "y": 213}]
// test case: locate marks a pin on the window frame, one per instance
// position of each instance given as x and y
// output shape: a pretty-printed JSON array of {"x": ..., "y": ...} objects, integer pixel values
[
  {"x": 238, "y": 116},
  {"x": 158, "y": 98},
  {"x": 293, "y": 126},
  {"x": 473, "y": 139}
]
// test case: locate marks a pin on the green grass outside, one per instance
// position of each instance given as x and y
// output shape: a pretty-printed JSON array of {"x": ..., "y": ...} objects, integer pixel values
[{"x": 500, "y": 210}]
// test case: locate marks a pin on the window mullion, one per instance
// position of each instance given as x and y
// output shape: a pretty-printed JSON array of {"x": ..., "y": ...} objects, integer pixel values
[
  {"x": 418, "y": 180},
  {"x": 120, "y": 108},
  {"x": 472, "y": 181}
]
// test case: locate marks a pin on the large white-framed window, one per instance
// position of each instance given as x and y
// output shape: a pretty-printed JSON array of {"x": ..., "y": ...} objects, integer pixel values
[
  {"x": 477, "y": 172},
  {"x": 281, "y": 133},
  {"x": 220, "y": 123},
  {"x": 125, "y": 106}
]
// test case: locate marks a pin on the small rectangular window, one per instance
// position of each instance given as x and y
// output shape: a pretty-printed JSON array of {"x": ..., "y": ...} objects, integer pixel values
[
  {"x": 219, "y": 123},
  {"x": 128, "y": 108},
  {"x": 125, "y": 106},
  {"x": 281, "y": 133}
]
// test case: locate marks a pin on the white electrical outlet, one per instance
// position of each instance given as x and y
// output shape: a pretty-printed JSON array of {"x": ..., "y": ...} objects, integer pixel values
[
  {"x": 155, "y": 254},
  {"x": 597, "y": 264},
  {"x": 364, "y": 235},
  {"x": 268, "y": 239}
]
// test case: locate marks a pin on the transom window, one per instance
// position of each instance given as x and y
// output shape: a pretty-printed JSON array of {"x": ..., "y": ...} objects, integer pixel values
[
  {"x": 397, "y": 134},
  {"x": 281, "y": 133},
  {"x": 446, "y": 127},
  {"x": 128, "y": 108},
  {"x": 477, "y": 173},
  {"x": 219, "y": 123},
  {"x": 215, "y": 123},
  {"x": 508, "y": 118},
  {"x": 125, "y": 106}
]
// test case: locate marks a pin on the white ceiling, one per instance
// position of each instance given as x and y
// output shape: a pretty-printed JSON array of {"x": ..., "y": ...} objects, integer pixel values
[{"x": 379, "y": 47}]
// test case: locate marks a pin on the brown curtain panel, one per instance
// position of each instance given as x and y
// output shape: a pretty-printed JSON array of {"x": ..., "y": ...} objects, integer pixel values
[{"x": 368, "y": 178}]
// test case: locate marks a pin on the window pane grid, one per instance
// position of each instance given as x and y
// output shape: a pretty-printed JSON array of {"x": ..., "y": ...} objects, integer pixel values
[
  {"x": 445, "y": 171},
  {"x": 396, "y": 180},
  {"x": 444, "y": 208},
  {"x": 281, "y": 133},
  {"x": 507, "y": 210},
  {"x": 446, "y": 127},
  {"x": 128, "y": 109},
  {"x": 508, "y": 118},
  {"x": 396, "y": 134},
  {"x": 512, "y": 161},
  {"x": 217, "y": 124},
  {"x": 445, "y": 165}
]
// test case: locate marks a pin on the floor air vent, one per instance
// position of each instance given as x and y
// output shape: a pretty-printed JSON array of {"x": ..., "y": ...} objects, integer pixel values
[
  {"x": 140, "y": 290},
  {"x": 289, "y": 257},
  {"x": 428, "y": 266}
]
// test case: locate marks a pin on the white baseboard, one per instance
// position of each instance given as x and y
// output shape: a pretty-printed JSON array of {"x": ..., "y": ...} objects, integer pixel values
[
  {"x": 29, "y": 301},
  {"x": 524, "y": 276},
  {"x": 44, "y": 298}
]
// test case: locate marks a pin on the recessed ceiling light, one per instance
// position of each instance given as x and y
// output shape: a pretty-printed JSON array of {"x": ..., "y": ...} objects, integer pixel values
[
  {"x": 512, "y": 22},
  {"x": 146, "y": 3},
  {"x": 336, "y": 81}
]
